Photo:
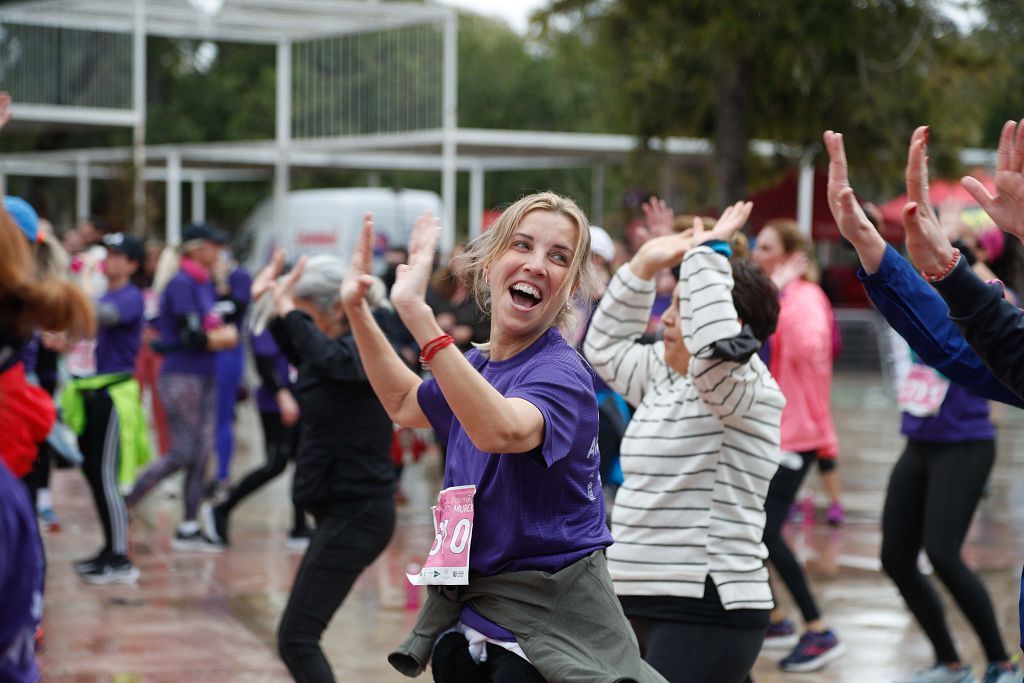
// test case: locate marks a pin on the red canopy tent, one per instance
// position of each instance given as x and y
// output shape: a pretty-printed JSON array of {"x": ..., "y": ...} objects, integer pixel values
[{"x": 940, "y": 191}]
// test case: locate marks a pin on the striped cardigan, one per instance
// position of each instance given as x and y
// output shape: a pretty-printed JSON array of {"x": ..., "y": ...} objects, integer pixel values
[{"x": 701, "y": 449}]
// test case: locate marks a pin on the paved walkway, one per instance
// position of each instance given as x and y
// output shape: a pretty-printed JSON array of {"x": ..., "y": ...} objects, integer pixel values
[{"x": 212, "y": 617}]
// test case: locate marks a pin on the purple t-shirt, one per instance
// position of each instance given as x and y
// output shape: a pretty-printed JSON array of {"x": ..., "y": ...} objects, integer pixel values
[
  {"x": 21, "y": 581},
  {"x": 184, "y": 297},
  {"x": 264, "y": 345},
  {"x": 544, "y": 509},
  {"x": 117, "y": 346}
]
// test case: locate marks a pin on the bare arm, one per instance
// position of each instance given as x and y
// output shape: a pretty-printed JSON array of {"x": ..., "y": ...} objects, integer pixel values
[
  {"x": 493, "y": 423},
  {"x": 393, "y": 382}
]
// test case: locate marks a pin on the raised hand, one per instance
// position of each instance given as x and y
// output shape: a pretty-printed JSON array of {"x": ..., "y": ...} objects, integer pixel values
[
  {"x": 359, "y": 276},
  {"x": 731, "y": 222},
  {"x": 660, "y": 218},
  {"x": 284, "y": 290},
  {"x": 1006, "y": 207},
  {"x": 5, "y": 108},
  {"x": 659, "y": 253},
  {"x": 408, "y": 294},
  {"x": 793, "y": 268},
  {"x": 269, "y": 274},
  {"x": 927, "y": 245},
  {"x": 849, "y": 216}
]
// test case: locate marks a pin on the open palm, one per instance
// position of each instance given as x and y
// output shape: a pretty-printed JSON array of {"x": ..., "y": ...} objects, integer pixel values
[
  {"x": 412, "y": 278},
  {"x": 1006, "y": 207},
  {"x": 358, "y": 277}
]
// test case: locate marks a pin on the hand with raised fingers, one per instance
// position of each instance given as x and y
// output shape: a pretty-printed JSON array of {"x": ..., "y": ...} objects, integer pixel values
[
  {"x": 5, "y": 108},
  {"x": 408, "y": 294},
  {"x": 927, "y": 245},
  {"x": 1006, "y": 206},
  {"x": 359, "y": 276},
  {"x": 728, "y": 224},
  {"x": 659, "y": 253},
  {"x": 659, "y": 216},
  {"x": 847, "y": 212},
  {"x": 269, "y": 274},
  {"x": 793, "y": 268},
  {"x": 284, "y": 289}
]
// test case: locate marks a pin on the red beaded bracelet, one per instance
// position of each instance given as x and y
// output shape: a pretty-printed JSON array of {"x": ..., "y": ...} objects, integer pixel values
[
  {"x": 431, "y": 348},
  {"x": 949, "y": 268}
]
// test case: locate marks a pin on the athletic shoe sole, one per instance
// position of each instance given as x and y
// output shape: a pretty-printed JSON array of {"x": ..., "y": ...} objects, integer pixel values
[
  {"x": 129, "y": 577},
  {"x": 781, "y": 642},
  {"x": 817, "y": 663},
  {"x": 196, "y": 547},
  {"x": 211, "y": 525}
]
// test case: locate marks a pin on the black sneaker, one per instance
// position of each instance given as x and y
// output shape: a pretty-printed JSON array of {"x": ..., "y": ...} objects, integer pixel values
[
  {"x": 298, "y": 539},
  {"x": 83, "y": 566},
  {"x": 195, "y": 542},
  {"x": 215, "y": 519},
  {"x": 112, "y": 571}
]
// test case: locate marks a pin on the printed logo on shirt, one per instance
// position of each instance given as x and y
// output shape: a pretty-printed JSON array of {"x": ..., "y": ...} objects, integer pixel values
[{"x": 594, "y": 450}]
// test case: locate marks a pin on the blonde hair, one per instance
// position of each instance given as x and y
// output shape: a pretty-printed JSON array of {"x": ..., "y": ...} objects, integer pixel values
[
  {"x": 795, "y": 240},
  {"x": 581, "y": 280}
]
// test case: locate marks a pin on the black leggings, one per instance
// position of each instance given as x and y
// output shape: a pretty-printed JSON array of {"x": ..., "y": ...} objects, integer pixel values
[
  {"x": 933, "y": 493},
  {"x": 100, "y": 443},
  {"x": 781, "y": 494},
  {"x": 347, "y": 539},
  {"x": 281, "y": 445},
  {"x": 698, "y": 653}
]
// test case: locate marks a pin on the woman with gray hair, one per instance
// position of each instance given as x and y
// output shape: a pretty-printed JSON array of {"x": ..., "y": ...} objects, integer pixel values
[{"x": 343, "y": 475}]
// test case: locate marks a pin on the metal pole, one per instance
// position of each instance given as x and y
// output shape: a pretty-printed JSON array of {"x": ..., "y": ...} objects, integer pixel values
[
  {"x": 805, "y": 192},
  {"x": 173, "y": 210},
  {"x": 597, "y": 194},
  {"x": 283, "y": 118},
  {"x": 82, "y": 203},
  {"x": 139, "y": 107},
  {"x": 373, "y": 179},
  {"x": 199, "y": 200},
  {"x": 448, "y": 149},
  {"x": 476, "y": 201}
]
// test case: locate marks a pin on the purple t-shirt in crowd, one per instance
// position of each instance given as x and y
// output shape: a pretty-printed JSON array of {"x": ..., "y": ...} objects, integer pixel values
[
  {"x": 540, "y": 510},
  {"x": 184, "y": 297},
  {"x": 117, "y": 346},
  {"x": 264, "y": 345},
  {"x": 21, "y": 581},
  {"x": 963, "y": 416}
]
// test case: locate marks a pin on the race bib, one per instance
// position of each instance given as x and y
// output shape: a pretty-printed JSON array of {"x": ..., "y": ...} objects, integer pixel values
[
  {"x": 447, "y": 563},
  {"x": 81, "y": 359},
  {"x": 923, "y": 391}
]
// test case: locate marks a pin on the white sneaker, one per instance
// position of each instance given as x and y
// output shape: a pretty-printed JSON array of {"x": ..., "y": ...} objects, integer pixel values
[
  {"x": 106, "y": 573},
  {"x": 195, "y": 542}
]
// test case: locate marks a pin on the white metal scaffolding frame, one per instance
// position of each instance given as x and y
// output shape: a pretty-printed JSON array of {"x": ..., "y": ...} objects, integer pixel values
[{"x": 331, "y": 110}]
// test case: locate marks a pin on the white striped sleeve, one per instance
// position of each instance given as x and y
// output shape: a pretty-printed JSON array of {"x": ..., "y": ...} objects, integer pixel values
[
  {"x": 707, "y": 315},
  {"x": 611, "y": 345}
]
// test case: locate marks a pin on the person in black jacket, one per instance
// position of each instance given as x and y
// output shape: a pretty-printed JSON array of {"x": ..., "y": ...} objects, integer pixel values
[
  {"x": 991, "y": 325},
  {"x": 343, "y": 474}
]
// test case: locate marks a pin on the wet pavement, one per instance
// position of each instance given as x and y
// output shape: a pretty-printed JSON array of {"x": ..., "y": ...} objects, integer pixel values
[{"x": 195, "y": 617}]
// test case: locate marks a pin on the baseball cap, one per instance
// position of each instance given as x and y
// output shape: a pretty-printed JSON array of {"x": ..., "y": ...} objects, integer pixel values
[
  {"x": 203, "y": 231},
  {"x": 123, "y": 243},
  {"x": 24, "y": 216},
  {"x": 601, "y": 243}
]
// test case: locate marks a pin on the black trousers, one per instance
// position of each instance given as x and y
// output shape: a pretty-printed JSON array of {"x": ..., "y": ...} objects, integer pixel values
[
  {"x": 101, "y": 448},
  {"x": 281, "y": 445},
  {"x": 698, "y": 653},
  {"x": 348, "y": 537},
  {"x": 933, "y": 492},
  {"x": 39, "y": 476},
  {"x": 781, "y": 494}
]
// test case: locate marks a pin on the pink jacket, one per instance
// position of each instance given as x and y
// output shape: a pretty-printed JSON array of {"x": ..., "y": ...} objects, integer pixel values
[{"x": 801, "y": 362}]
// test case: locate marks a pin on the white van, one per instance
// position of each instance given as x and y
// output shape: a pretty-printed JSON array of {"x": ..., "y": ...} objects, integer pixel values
[{"x": 328, "y": 221}]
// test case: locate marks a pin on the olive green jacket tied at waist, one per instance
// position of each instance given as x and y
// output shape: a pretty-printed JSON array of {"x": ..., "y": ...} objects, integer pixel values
[
  {"x": 125, "y": 395},
  {"x": 569, "y": 624}
]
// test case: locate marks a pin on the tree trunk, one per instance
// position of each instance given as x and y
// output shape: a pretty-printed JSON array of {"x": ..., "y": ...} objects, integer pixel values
[{"x": 731, "y": 131}]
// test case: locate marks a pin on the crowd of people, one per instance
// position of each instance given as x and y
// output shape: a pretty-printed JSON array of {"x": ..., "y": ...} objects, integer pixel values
[{"x": 634, "y": 430}]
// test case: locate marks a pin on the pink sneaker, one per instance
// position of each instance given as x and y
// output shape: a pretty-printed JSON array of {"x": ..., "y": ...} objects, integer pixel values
[{"x": 836, "y": 515}]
